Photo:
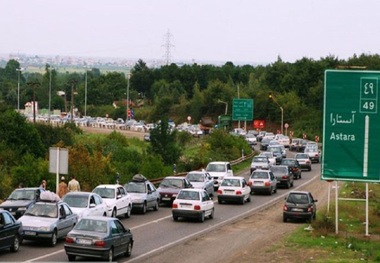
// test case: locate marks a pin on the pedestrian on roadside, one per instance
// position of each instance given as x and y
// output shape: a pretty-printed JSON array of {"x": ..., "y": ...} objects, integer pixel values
[
  {"x": 43, "y": 186},
  {"x": 74, "y": 185},
  {"x": 62, "y": 187}
]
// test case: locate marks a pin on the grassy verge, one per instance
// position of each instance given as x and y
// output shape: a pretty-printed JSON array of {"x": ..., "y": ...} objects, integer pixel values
[{"x": 350, "y": 244}]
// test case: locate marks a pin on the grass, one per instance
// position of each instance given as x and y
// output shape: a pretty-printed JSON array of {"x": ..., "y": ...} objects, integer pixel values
[{"x": 350, "y": 244}]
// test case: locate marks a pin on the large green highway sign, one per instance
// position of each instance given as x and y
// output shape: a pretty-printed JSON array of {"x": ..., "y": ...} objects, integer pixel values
[
  {"x": 242, "y": 109},
  {"x": 351, "y": 126}
]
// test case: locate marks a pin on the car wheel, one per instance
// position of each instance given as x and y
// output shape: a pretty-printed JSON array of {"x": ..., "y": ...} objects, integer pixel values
[
  {"x": 219, "y": 201},
  {"x": 155, "y": 208},
  {"x": 128, "y": 251},
  {"x": 53, "y": 240},
  {"x": 211, "y": 216},
  {"x": 114, "y": 214},
  {"x": 175, "y": 218},
  {"x": 270, "y": 191},
  {"x": 299, "y": 177},
  {"x": 249, "y": 198},
  {"x": 71, "y": 257},
  {"x": 16, "y": 244},
  {"x": 252, "y": 193},
  {"x": 242, "y": 201},
  {"x": 109, "y": 258},
  {"x": 288, "y": 184},
  {"x": 202, "y": 217},
  {"x": 284, "y": 219},
  {"x": 128, "y": 214},
  {"x": 309, "y": 168},
  {"x": 275, "y": 190},
  {"x": 143, "y": 209}
]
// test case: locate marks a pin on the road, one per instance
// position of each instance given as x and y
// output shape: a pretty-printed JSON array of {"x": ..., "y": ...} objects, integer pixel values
[{"x": 156, "y": 234}]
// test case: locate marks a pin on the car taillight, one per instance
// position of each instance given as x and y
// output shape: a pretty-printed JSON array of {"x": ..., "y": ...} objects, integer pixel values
[
  {"x": 238, "y": 192},
  {"x": 69, "y": 240},
  {"x": 220, "y": 192},
  {"x": 197, "y": 207},
  {"x": 99, "y": 243},
  {"x": 267, "y": 183},
  {"x": 250, "y": 183},
  {"x": 284, "y": 177},
  {"x": 310, "y": 209},
  {"x": 175, "y": 206},
  {"x": 285, "y": 208},
  {"x": 307, "y": 161}
]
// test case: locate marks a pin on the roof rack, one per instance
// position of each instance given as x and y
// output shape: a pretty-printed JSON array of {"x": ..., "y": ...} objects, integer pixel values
[{"x": 139, "y": 178}]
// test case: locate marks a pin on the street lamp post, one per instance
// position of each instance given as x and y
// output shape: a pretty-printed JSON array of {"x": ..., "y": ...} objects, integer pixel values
[
  {"x": 50, "y": 69},
  {"x": 72, "y": 102},
  {"x": 33, "y": 84},
  {"x": 220, "y": 101},
  {"x": 18, "y": 88},
  {"x": 282, "y": 111},
  {"x": 85, "y": 94},
  {"x": 128, "y": 77}
]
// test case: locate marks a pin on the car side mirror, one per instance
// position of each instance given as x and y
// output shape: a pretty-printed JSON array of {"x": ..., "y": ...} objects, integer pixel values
[{"x": 92, "y": 205}]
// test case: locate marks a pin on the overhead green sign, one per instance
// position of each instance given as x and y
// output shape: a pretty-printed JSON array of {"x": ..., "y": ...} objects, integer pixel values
[
  {"x": 351, "y": 126},
  {"x": 242, "y": 109}
]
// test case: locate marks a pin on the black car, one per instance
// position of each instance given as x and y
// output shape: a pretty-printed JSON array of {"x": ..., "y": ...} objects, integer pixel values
[
  {"x": 265, "y": 143},
  {"x": 299, "y": 205},
  {"x": 10, "y": 232},
  {"x": 20, "y": 200},
  {"x": 294, "y": 167}
]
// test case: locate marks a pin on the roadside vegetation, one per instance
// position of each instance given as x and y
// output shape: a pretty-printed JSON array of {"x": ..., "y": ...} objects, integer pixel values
[{"x": 350, "y": 244}]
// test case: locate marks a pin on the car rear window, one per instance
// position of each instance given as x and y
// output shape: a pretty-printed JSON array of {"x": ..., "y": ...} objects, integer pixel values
[
  {"x": 259, "y": 175},
  {"x": 298, "y": 198}
]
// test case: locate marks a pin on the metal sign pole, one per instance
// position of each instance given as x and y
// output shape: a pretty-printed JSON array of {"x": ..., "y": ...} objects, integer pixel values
[
  {"x": 336, "y": 207},
  {"x": 57, "y": 172}
]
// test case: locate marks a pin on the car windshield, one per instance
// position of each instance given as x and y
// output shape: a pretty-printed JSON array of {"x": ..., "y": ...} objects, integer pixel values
[
  {"x": 259, "y": 175},
  {"x": 279, "y": 169},
  {"x": 288, "y": 162},
  {"x": 298, "y": 198},
  {"x": 105, "y": 192},
  {"x": 195, "y": 177},
  {"x": 176, "y": 183},
  {"x": 76, "y": 201},
  {"x": 231, "y": 182},
  {"x": 22, "y": 195},
  {"x": 133, "y": 187},
  {"x": 215, "y": 168},
  {"x": 260, "y": 160},
  {"x": 302, "y": 156},
  {"x": 92, "y": 225},
  {"x": 188, "y": 195},
  {"x": 43, "y": 210},
  {"x": 274, "y": 149}
]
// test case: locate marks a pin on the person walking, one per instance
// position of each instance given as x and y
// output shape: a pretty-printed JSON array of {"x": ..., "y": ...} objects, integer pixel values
[
  {"x": 74, "y": 185},
  {"x": 62, "y": 187}
]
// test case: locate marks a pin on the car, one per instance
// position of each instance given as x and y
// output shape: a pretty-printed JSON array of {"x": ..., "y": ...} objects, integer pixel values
[
  {"x": 313, "y": 152},
  {"x": 48, "y": 219},
  {"x": 304, "y": 161},
  {"x": 201, "y": 180},
  {"x": 283, "y": 176},
  {"x": 99, "y": 237},
  {"x": 260, "y": 162},
  {"x": 193, "y": 203},
  {"x": 283, "y": 140},
  {"x": 265, "y": 143},
  {"x": 294, "y": 167},
  {"x": 218, "y": 170},
  {"x": 251, "y": 139},
  {"x": 10, "y": 231},
  {"x": 270, "y": 156},
  {"x": 263, "y": 181},
  {"x": 299, "y": 205},
  {"x": 270, "y": 135},
  {"x": 234, "y": 189},
  {"x": 116, "y": 198},
  {"x": 147, "y": 137},
  {"x": 143, "y": 193},
  {"x": 276, "y": 150},
  {"x": 170, "y": 187},
  {"x": 86, "y": 204},
  {"x": 20, "y": 200},
  {"x": 260, "y": 135},
  {"x": 295, "y": 144}
]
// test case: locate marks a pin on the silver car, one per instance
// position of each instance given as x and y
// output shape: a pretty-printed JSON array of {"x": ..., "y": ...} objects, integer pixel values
[
  {"x": 143, "y": 193},
  {"x": 86, "y": 204},
  {"x": 201, "y": 180},
  {"x": 263, "y": 181},
  {"x": 48, "y": 220},
  {"x": 260, "y": 162}
]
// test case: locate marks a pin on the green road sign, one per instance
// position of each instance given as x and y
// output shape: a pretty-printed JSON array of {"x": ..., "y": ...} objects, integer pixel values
[
  {"x": 242, "y": 109},
  {"x": 351, "y": 126}
]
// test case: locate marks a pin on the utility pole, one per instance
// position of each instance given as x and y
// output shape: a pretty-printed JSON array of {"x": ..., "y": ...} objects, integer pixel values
[
  {"x": 72, "y": 101},
  {"x": 168, "y": 45},
  {"x": 33, "y": 84}
]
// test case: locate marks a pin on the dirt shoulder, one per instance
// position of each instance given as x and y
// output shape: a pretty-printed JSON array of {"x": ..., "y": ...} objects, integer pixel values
[{"x": 256, "y": 238}]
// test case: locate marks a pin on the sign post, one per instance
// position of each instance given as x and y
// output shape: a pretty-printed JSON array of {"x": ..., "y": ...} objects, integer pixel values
[{"x": 58, "y": 162}]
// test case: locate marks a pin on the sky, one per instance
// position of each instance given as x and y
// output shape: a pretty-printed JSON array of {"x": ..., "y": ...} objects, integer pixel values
[{"x": 240, "y": 31}]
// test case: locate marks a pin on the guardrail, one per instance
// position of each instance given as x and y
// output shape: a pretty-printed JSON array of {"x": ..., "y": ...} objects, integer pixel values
[{"x": 156, "y": 181}]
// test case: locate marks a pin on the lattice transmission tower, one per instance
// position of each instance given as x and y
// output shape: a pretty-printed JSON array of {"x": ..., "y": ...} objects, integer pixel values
[{"x": 168, "y": 47}]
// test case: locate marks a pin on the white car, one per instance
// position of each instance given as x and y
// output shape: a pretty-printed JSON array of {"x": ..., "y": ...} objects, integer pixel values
[
  {"x": 283, "y": 140},
  {"x": 219, "y": 170},
  {"x": 234, "y": 189},
  {"x": 117, "y": 199},
  {"x": 260, "y": 162},
  {"x": 86, "y": 204},
  {"x": 270, "y": 156},
  {"x": 263, "y": 181},
  {"x": 193, "y": 203},
  {"x": 251, "y": 139}
]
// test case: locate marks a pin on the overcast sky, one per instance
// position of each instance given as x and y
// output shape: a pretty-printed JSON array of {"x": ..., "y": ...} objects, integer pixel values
[{"x": 253, "y": 31}]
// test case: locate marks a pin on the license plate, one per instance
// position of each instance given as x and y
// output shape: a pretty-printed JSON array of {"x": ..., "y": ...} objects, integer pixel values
[
  {"x": 185, "y": 205},
  {"x": 30, "y": 233},
  {"x": 297, "y": 209},
  {"x": 165, "y": 198},
  {"x": 258, "y": 183},
  {"x": 83, "y": 241}
]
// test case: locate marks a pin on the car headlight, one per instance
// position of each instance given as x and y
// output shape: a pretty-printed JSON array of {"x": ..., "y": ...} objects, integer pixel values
[
  {"x": 138, "y": 200},
  {"x": 44, "y": 228}
]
